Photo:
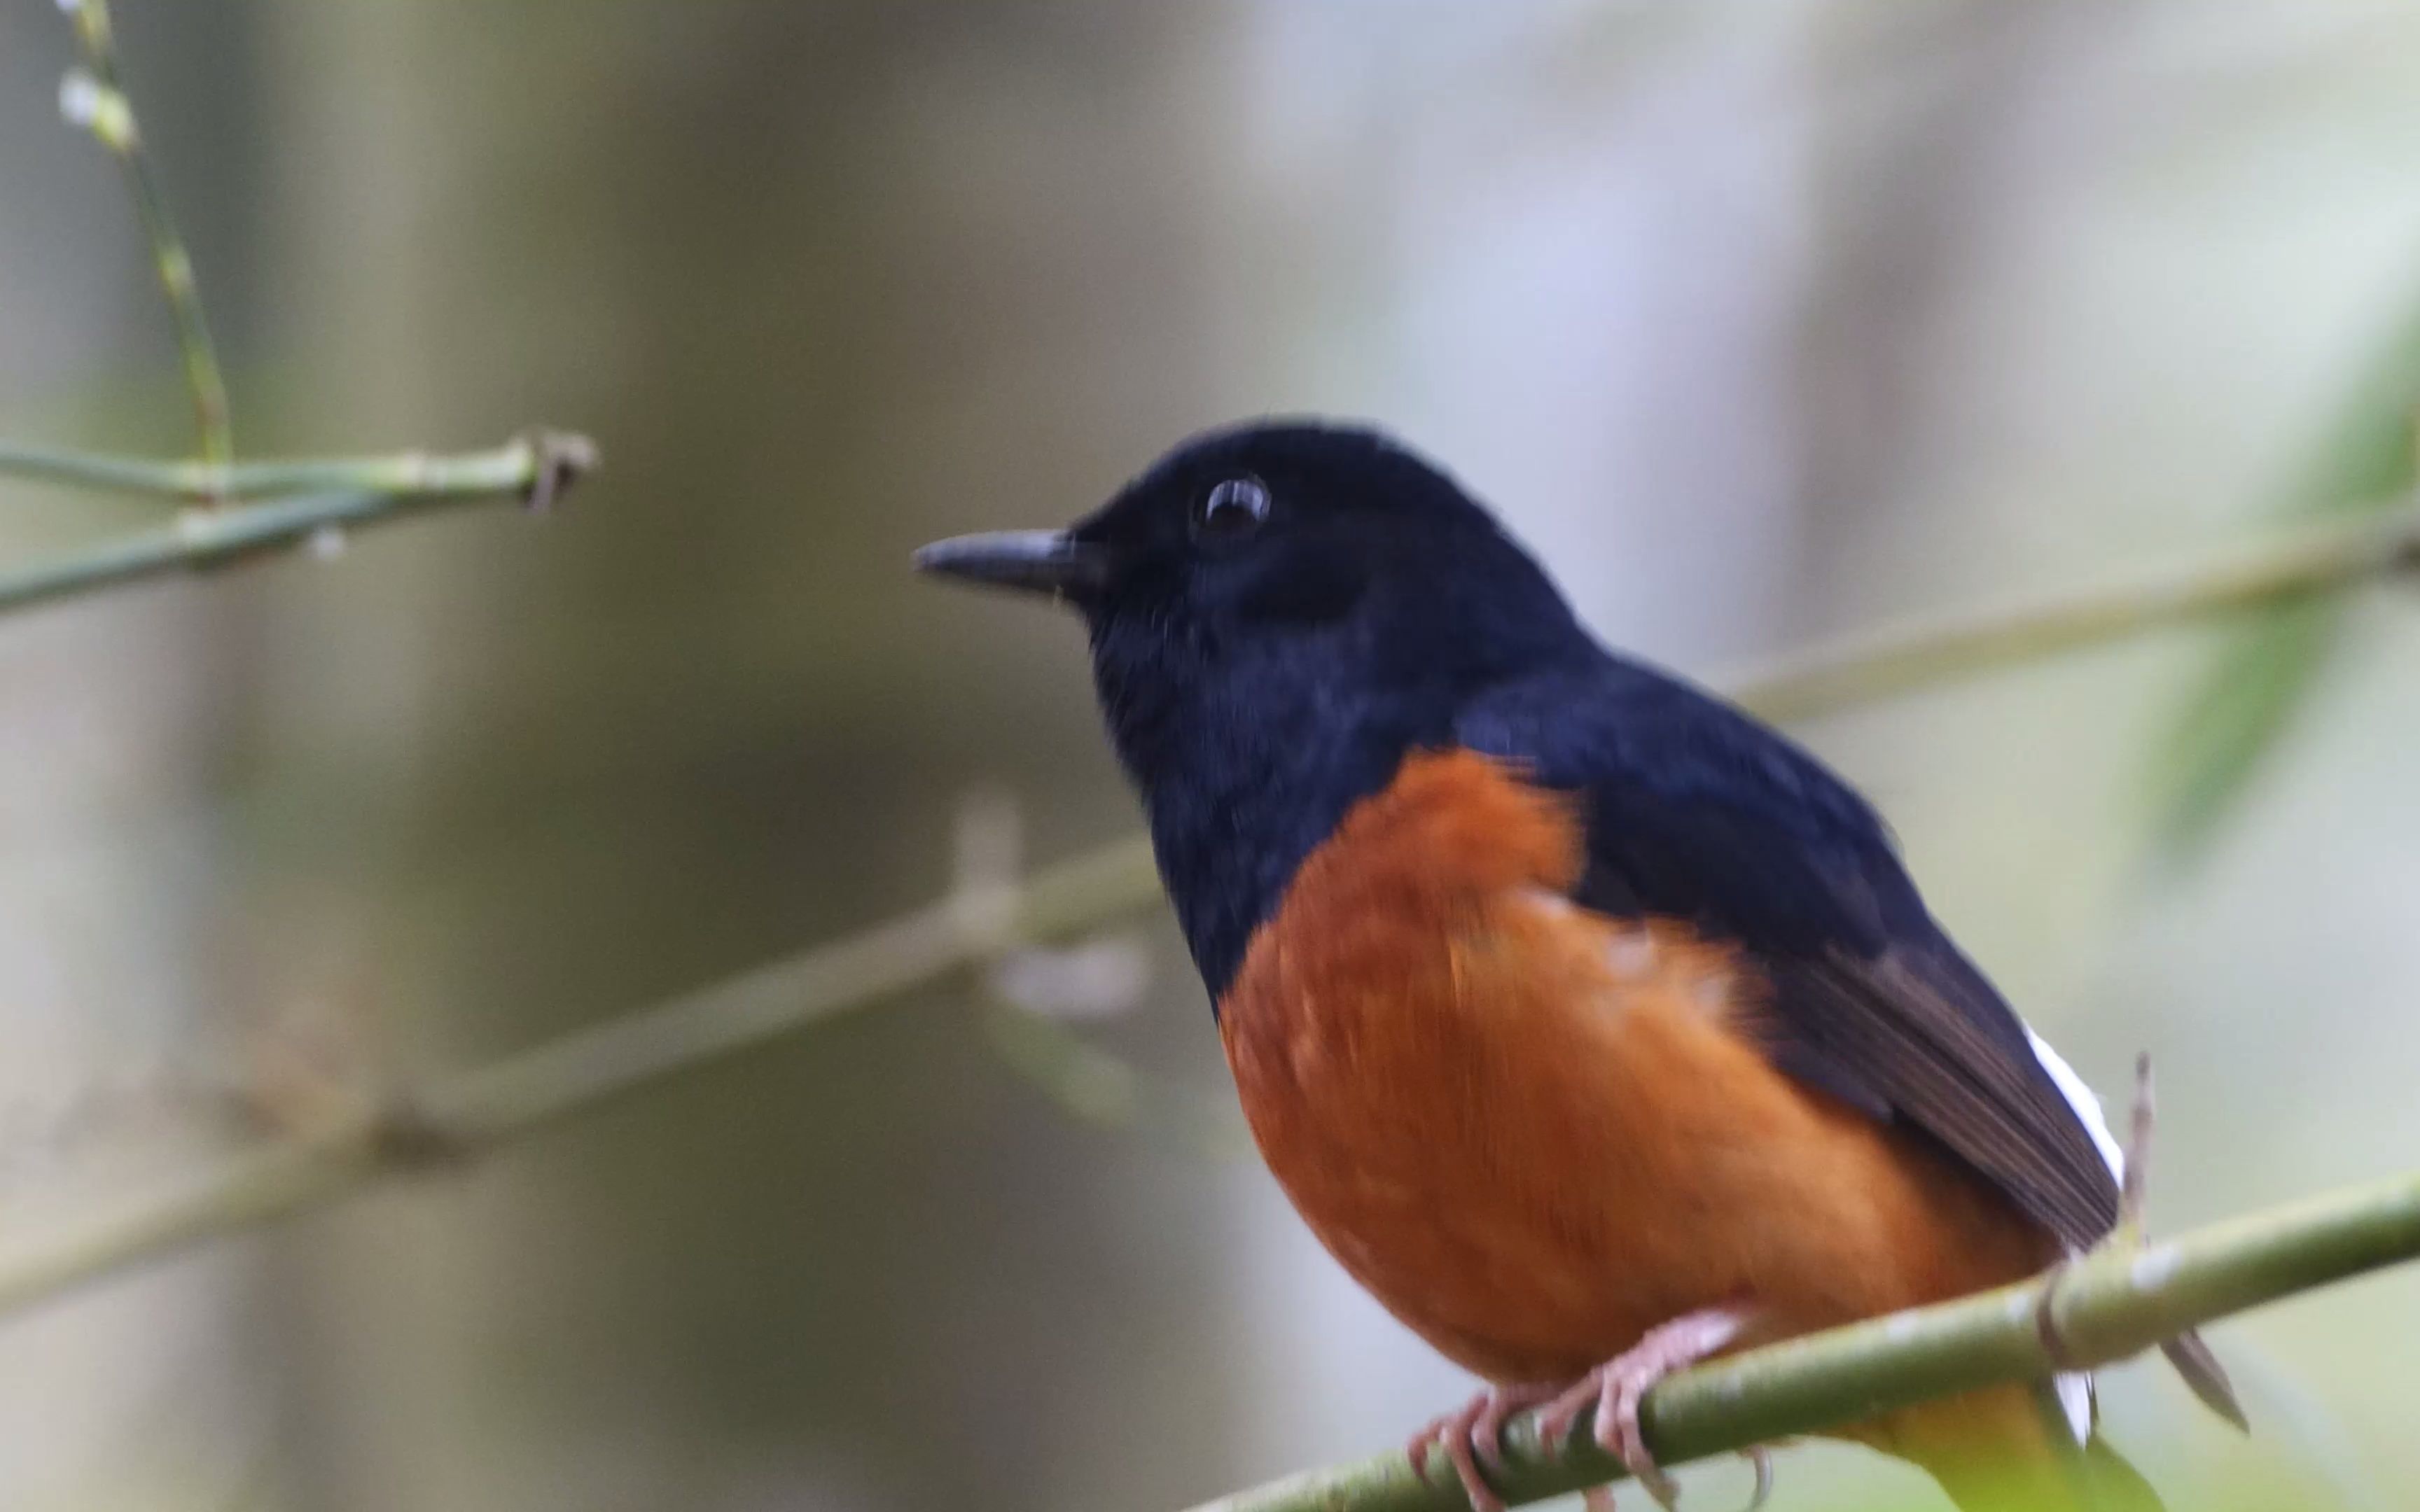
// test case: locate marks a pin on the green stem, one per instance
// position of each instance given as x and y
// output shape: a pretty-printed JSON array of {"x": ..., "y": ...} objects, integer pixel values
[
  {"x": 112, "y": 122},
  {"x": 582, "y": 1071},
  {"x": 501, "y": 470},
  {"x": 2316, "y": 559},
  {"x": 2116, "y": 1303},
  {"x": 200, "y": 538}
]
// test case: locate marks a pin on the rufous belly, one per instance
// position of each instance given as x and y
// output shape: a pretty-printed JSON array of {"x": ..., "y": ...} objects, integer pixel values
[{"x": 1533, "y": 1133}]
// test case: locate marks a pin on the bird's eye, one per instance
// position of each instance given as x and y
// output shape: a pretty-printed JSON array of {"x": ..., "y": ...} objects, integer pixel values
[{"x": 1232, "y": 510}]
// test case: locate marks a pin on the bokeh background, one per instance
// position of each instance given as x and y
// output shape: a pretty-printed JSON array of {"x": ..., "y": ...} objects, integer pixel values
[{"x": 1762, "y": 321}]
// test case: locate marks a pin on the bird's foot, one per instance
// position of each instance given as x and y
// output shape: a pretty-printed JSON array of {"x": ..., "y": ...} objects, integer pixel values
[
  {"x": 1473, "y": 1436},
  {"x": 1616, "y": 1388}
]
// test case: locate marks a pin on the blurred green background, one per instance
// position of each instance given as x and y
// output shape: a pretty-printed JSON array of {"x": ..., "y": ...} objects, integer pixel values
[{"x": 1761, "y": 322}]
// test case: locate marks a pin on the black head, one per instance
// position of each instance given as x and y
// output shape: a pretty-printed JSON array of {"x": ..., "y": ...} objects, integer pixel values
[{"x": 1278, "y": 612}]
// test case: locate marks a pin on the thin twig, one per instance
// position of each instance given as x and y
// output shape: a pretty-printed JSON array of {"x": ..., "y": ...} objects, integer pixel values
[
  {"x": 501, "y": 470},
  {"x": 96, "y": 100},
  {"x": 579, "y": 1073},
  {"x": 2116, "y": 1304},
  {"x": 2134, "y": 1190},
  {"x": 2318, "y": 558},
  {"x": 474, "y": 1112},
  {"x": 1105, "y": 1090},
  {"x": 1092, "y": 1084},
  {"x": 198, "y": 538}
]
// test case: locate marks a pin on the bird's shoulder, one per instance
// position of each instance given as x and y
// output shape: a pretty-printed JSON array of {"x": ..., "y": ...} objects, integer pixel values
[{"x": 1701, "y": 803}]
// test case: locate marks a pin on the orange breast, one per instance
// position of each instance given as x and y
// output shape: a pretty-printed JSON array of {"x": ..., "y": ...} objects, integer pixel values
[{"x": 1533, "y": 1133}]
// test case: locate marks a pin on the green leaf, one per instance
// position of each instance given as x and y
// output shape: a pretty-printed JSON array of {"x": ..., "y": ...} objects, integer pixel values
[
  {"x": 2238, "y": 716},
  {"x": 2235, "y": 718}
]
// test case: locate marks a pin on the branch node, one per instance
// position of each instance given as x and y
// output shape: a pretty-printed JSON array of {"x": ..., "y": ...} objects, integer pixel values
[
  {"x": 2407, "y": 555},
  {"x": 406, "y": 1135},
  {"x": 2046, "y": 1325},
  {"x": 89, "y": 105},
  {"x": 558, "y": 460}
]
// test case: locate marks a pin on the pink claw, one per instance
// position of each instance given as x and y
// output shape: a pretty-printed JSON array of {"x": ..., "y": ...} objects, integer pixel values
[
  {"x": 1473, "y": 1436},
  {"x": 1616, "y": 1388}
]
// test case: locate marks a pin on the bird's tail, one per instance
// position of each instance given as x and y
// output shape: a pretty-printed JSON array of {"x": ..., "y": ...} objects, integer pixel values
[
  {"x": 2207, "y": 1377},
  {"x": 2011, "y": 1450}
]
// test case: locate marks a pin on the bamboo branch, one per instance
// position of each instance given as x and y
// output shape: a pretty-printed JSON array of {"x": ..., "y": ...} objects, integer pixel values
[
  {"x": 317, "y": 500},
  {"x": 2317, "y": 559},
  {"x": 2116, "y": 1303},
  {"x": 581, "y": 1073},
  {"x": 94, "y": 98},
  {"x": 505, "y": 469},
  {"x": 479, "y": 1111},
  {"x": 536, "y": 471}
]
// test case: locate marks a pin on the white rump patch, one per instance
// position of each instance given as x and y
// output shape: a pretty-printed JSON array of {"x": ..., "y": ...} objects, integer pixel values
[{"x": 2080, "y": 1097}]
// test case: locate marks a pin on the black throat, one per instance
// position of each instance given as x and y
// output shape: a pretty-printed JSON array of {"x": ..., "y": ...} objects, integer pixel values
[{"x": 1248, "y": 756}]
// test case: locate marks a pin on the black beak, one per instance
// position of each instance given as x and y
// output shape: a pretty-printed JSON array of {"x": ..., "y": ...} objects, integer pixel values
[{"x": 1038, "y": 562}]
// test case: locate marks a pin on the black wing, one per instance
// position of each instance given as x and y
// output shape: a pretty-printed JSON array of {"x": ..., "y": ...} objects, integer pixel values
[{"x": 1696, "y": 811}]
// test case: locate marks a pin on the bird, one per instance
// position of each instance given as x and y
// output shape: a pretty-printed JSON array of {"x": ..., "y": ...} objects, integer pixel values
[{"x": 1595, "y": 1026}]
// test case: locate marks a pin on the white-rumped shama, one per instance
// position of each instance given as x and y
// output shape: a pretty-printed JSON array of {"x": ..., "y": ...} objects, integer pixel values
[{"x": 1593, "y": 1026}]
